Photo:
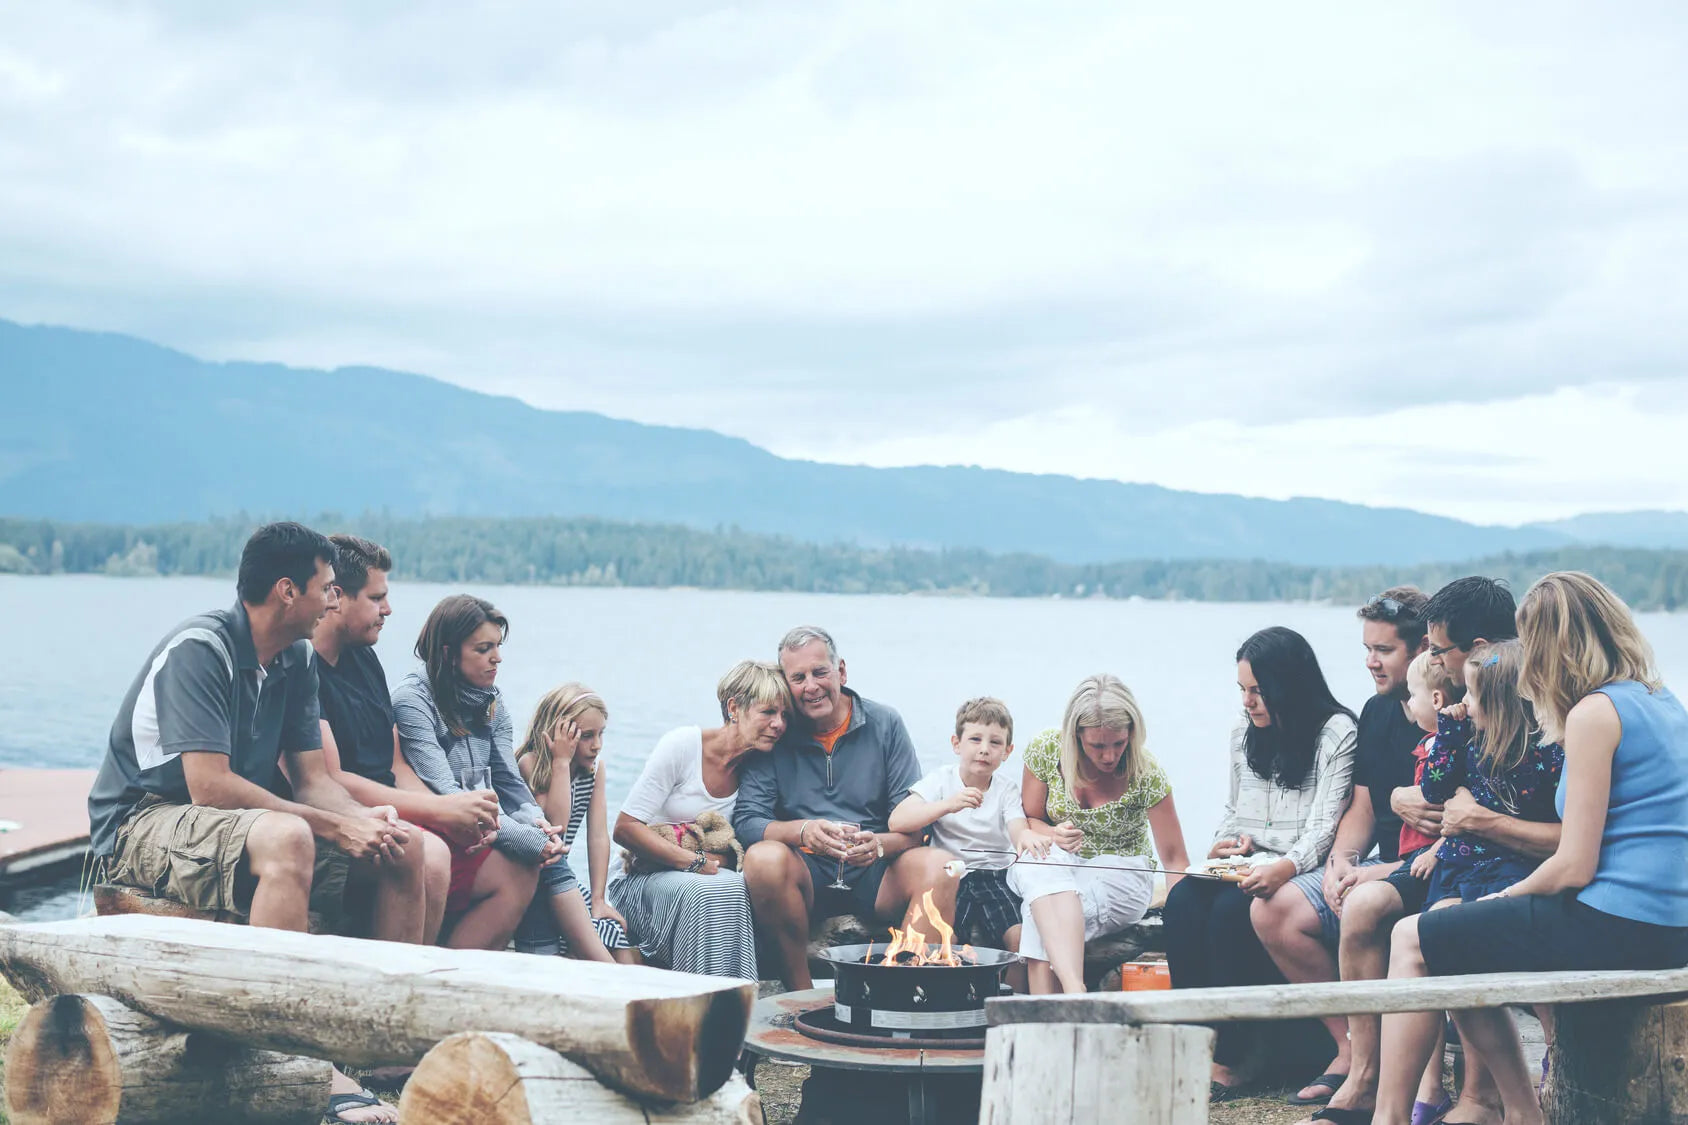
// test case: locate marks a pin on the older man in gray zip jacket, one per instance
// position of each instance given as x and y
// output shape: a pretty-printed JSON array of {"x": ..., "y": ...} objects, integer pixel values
[{"x": 848, "y": 761}]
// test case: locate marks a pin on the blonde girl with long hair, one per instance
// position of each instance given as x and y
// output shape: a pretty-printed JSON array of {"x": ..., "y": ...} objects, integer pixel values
[
  {"x": 1489, "y": 745},
  {"x": 560, "y": 761},
  {"x": 1092, "y": 795},
  {"x": 1614, "y": 894}
]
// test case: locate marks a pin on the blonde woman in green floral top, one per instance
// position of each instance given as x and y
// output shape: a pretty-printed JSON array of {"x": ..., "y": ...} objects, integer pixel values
[{"x": 1092, "y": 796}]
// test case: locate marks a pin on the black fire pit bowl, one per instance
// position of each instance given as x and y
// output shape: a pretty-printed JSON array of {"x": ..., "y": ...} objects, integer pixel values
[{"x": 927, "y": 1001}]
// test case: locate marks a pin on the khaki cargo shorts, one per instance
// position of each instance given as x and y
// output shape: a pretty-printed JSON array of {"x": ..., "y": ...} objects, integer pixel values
[{"x": 195, "y": 855}]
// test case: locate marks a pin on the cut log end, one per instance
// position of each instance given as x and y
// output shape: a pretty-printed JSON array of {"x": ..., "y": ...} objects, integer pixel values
[
  {"x": 82, "y": 1060},
  {"x": 472, "y": 1076},
  {"x": 60, "y": 1066},
  {"x": 490, "y": 1078},
  {"x": 688, "y": 1055}
]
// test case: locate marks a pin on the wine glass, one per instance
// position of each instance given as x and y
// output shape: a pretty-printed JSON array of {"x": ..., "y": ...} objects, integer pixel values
[{"x": 850, "y": 832}]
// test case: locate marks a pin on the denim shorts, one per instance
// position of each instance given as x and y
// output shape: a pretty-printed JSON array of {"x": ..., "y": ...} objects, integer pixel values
[{"x": 1312, "y": 884}]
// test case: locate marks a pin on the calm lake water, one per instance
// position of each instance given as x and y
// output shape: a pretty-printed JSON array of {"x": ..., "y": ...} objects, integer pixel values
[{"x": 75, "y": 642}]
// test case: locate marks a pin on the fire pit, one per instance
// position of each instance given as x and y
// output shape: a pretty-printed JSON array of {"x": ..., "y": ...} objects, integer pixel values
[{"x": 912, "y": 988}]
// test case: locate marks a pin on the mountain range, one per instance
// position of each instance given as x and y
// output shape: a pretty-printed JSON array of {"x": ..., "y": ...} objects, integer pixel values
[{"x": 104, "y": 427}]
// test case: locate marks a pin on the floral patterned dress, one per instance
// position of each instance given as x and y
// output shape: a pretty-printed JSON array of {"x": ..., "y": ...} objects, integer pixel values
[{"x": 1120, "y": 827}]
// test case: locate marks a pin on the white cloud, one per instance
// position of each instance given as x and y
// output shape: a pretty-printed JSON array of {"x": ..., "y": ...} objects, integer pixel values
[{"x": 872, "y": 231}]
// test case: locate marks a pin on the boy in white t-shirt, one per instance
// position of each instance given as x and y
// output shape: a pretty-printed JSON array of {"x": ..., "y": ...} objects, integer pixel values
[{"x": 971, "y": 810}]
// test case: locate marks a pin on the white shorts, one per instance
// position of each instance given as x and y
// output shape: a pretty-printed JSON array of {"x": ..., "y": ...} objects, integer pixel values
[{"x": 1112, "y": 899}]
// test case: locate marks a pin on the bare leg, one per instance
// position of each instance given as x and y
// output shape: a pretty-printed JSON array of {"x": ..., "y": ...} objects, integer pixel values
[
  {"x": 401, "y": 902},
  {"x": 436, "y": 879},
  {"x": 1408, "y": 1037},
  {"x": 1040, "y": 980},
  {"x": 1368, "y": 913},
  {"x": 1430, "y": 1088},
  {"x": 574, "y": 922},
  {"x": 1477, "y": 1101},
  {"x": 1016, "y": 975},
  {"x": 1060, "y": 922},
  {"x": 910, "y": 876},
  {"x": 781, "y": 894},
  {"x": 281, "y": 854},
  {"x": 1490, "y": 1034},
  {"x": 1288, "y": 927},
  {"x": 498, "y": 898}
]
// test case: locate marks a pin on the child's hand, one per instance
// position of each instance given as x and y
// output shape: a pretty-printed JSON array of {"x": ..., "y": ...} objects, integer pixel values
[
  {"x": 1425, "y": 863},
  {"x": 1455, "y": 711},
  {"x": 968, "y": 798},
  {"x": 561, "y": 741},
  {"x": 1034, "y": 845}
]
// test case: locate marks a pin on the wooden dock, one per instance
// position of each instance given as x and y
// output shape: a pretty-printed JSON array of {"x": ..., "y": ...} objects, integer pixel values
[{"x": 43, "y": 822}]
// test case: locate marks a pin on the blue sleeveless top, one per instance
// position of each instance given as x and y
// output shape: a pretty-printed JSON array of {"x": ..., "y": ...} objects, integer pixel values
[{"x": 1643, "y": 871}]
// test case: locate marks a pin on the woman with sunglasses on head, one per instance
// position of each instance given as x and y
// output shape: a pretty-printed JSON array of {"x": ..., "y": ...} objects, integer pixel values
[{"x": 1292, "y": 771}]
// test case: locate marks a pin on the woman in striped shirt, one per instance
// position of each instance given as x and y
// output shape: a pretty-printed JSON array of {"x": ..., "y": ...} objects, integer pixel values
[{"x": 1292, "y": 771}]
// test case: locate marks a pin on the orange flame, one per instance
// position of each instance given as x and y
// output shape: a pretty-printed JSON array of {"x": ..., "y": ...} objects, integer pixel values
[{"x": 912, "y": 940}]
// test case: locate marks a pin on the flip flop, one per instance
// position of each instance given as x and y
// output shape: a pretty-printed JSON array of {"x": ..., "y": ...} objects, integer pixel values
[
  {"x": 1219, "y": 1092},
  {"x": 1344, "y": 1116},
  {"x": 1331, "y": 1082},
  {"x": 1429, "y": 1113},
  {"x": 338, "y": 1103}
]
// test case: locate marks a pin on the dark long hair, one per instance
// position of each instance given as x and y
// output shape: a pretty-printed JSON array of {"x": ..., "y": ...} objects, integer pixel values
[
  {"x": 451, "y": 623},
  {"x": 1298, "y": 700}
]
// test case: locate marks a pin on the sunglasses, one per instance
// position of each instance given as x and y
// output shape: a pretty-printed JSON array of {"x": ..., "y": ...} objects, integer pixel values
[
  {"x": 1444, "y": 649},
  {"x": 1390, "y": 607}
]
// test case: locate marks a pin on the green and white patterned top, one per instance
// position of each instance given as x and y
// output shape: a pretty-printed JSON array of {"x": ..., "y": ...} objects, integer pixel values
[{"x": 1117, "y": 828}]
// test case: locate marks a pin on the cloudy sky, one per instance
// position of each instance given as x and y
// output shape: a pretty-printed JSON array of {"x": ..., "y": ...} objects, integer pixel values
[{"x": 1428, "y": 255}]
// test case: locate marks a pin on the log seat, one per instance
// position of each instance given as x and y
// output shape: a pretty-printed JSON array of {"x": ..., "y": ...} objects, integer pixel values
[
  {"x": 651, "y": 1033},
  {"x": 1619, "y": 1055},
  {"x": 118, "y": 898}
]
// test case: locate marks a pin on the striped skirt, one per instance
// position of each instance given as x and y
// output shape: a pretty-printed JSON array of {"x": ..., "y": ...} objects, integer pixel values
[{"x": 690, "y": 923}]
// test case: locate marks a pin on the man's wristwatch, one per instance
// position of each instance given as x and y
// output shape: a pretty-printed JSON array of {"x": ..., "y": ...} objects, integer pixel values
[{"x": 697, "y": 863}]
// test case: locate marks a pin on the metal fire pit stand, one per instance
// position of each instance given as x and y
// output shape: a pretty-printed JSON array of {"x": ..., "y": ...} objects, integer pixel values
[{"x": 773, "y": 1035}]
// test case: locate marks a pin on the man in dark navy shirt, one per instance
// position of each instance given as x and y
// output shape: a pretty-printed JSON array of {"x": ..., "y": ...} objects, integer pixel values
[{"x": 360, "y": 744}]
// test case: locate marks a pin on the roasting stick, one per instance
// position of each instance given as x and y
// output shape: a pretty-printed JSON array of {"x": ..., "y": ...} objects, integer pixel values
[{"x": 957, "y": 867}]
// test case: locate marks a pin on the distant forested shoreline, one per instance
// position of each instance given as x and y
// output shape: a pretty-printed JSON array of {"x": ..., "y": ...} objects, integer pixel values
[{"x": 597, "y": 552}]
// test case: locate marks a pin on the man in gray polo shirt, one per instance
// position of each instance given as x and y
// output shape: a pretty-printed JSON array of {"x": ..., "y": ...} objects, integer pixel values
[
  {"x": 213, "y": 790},
  {"x": 848, "y": 761}
]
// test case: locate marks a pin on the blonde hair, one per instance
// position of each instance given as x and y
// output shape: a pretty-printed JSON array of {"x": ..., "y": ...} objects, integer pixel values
[
  {"x": 986, "y": 710},
  {"x": 1577, "y": 636},
  {"x": 559, "y": 705},
  {"x": 1102, "y": 701},
  {"x": 753, "y": 681},
  {"x": 1492, "y": 675},
  {"x": 1435, "y": 676}
]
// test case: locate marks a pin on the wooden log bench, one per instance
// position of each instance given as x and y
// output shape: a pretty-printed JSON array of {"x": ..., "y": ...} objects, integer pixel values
[
  {"x": 117, "y": 898},
  {"x": 660, "y": 1042},
  {"x": 1619, "y": 1056}
]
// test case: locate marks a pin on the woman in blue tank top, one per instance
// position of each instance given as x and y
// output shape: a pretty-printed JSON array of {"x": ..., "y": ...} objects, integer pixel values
[{"x": 1615, "y": 893}]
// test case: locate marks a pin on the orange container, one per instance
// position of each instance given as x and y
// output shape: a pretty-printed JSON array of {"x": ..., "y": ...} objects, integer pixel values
[{"x": 1144, "y": 976}]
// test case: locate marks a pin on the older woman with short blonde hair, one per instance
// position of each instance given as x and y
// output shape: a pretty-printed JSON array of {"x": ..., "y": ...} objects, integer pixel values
[
  {"x": 683, "y": 907},
  {"x": 1092, "y": 795}
]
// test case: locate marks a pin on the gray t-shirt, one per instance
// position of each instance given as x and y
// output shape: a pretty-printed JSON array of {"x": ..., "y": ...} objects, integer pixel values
[{"x": 202, "y": 689}]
